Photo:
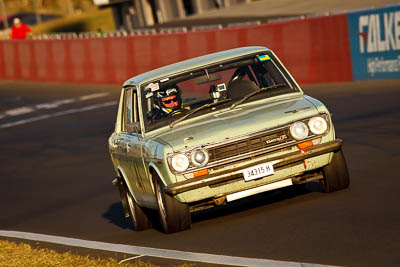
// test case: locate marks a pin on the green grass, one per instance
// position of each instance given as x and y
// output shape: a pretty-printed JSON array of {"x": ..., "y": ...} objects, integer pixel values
[
  {"x": 20, "y": 255},
  {"x": 85, "y": 22}
]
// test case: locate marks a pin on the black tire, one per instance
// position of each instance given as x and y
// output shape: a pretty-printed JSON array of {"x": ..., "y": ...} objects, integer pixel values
[
  {"x": 138, "y": 217},
  {"x": 174, "y": 216},
  {"x": 336, "y": 174}
]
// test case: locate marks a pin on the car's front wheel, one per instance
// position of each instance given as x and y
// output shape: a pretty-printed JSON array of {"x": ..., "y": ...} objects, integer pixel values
[
  {"x": 336, "y": 174},
  {"x": 174, "y": 216},
  {"x": 139, "y": 219}
]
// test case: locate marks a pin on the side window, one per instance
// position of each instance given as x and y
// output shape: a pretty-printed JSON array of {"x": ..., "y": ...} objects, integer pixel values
[
  {"x": 129, "y": 109},
  {"x": 124, "y": 116},
  {"x": 135, "y": 107},
  {"x": 267, "y": 74},
  {"x": 132, "y": 112}
]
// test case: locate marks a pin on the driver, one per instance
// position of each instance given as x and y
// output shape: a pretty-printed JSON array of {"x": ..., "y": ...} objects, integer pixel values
[
  {"x": 170, "y": 99},
  {"x": 168, "y": 102}
]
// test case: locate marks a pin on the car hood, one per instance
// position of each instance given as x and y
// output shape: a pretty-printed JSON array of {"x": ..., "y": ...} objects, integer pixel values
[{"x": 226, "y": 124}]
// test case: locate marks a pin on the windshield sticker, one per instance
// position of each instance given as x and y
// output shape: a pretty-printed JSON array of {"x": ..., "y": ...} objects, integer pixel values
[
  {"x": 153, "y": 87},
  {"x": 148, "y": 94},
  {"x": 263, "y": 58}
]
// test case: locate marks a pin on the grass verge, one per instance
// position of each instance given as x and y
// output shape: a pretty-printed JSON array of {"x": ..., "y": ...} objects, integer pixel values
[{"x": 13, "y": 254}]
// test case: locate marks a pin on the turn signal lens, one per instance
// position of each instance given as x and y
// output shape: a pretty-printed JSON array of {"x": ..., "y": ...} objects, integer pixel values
[
  {"x": 200, "y": 173},
  {"x": 305, "y": 144}
]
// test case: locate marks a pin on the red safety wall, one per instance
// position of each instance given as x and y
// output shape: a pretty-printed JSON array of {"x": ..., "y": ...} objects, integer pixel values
[{"x": 315, "y": 50}]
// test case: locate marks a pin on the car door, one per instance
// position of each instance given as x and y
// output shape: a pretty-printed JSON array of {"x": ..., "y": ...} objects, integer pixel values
[
  {"x": 135, "y": 148},
  {"x": 129, "y": 145},
  {"x": 116, "y": 139}
]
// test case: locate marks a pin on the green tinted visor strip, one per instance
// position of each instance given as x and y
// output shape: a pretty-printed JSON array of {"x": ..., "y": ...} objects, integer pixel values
[{"x": 263, "y": 58}]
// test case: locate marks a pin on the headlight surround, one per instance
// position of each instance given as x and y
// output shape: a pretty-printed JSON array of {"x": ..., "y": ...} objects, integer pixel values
[
  {"x": 180, "y": 162},
  {"x": 299, "y": 130},
  {"x": 199, "y": 157},
  {"x": 318, "y": 125}
]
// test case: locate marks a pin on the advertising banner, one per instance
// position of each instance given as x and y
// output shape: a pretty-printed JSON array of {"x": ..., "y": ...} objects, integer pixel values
[{"x": 375, "y": 43}]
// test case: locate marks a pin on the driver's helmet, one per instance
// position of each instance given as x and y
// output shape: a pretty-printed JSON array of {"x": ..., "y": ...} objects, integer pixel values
[{"x": 170, "y": 99}]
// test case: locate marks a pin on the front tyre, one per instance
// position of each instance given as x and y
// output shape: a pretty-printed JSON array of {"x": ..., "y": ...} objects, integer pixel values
[
  {"x": 336, "y": 174},
  {"x": 138, "y": 217},
  {"x": 174, "y": 216}
]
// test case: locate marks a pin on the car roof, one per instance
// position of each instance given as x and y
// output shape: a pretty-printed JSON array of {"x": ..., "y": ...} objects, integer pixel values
[{"x": 193, "y": 63}]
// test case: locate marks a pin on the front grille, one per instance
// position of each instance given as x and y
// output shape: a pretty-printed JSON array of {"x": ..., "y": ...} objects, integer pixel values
[
  {"x": 249, "y": 146},
  {"x": 258, "y": 142}
]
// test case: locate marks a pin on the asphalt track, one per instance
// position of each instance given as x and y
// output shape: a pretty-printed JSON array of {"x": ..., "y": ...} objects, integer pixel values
[{"x": 56, "y": 179}]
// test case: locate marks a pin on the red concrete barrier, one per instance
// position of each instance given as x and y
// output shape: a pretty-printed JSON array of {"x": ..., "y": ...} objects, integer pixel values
[{"x": 315, "y": 50}]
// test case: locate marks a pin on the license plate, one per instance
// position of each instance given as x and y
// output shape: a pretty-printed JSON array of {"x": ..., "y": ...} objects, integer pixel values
[{"x": 258, "y": 171}]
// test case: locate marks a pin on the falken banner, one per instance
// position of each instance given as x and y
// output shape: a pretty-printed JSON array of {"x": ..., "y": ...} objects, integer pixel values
[{"x": 375, "y": 43}]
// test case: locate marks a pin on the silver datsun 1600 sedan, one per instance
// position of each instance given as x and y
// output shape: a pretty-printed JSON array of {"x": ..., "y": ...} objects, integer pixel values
[{"x": 214, "y": 129}]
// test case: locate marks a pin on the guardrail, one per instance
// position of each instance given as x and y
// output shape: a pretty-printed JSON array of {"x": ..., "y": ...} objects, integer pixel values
[
  {"x": 135, "y": 32},
  {"x": 86, "y": 35}
]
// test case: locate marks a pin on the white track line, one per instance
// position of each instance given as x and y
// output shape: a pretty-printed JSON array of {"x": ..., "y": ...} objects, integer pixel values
[
  {"x": 154, "y": 252},
  {"x": 18, "y": 111},
  {"x": 57, "y": 114},
  {"x": 54, "y": 104},
  {"x": 92, "y": 96},
  {"x": 48, "y": 105}
]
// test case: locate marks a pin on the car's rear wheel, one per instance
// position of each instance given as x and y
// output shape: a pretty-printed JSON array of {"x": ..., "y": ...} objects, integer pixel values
[
  {"x": 139, "y": 219},
  {"x": 336, "y": 174},
  {"x": 174, "y": 216}
]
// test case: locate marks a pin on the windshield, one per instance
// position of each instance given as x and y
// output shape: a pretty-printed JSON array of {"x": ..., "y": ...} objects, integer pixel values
[{"x": 170, "y": 100}]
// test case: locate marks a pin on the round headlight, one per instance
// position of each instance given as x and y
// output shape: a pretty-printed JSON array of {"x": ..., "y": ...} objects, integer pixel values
[
  {"x": 318, "y": 125},
  {"x": 299, "y": 130},
  {"x": 180, "y": 162},
  {"x": 199, "y": 157}
]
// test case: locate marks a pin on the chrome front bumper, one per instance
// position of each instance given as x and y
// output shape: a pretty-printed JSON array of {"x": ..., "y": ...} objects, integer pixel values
[{"x": 278, "y": 163}]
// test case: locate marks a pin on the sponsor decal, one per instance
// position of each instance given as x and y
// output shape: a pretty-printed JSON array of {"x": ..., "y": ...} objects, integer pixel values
[
  {"x": 375, "y": 43},
  {"x": 150, "y": 88},
  {"x": 153, "y": 87}
]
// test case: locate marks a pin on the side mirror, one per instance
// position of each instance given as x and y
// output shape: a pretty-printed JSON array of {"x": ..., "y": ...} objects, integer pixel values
[{"x": 133, "y": 127}]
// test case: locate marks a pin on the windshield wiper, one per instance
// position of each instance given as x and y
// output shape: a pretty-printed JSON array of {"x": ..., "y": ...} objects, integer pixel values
[
  {"x": 198, "y": 109},
  {"x": 254, "y": 93}
]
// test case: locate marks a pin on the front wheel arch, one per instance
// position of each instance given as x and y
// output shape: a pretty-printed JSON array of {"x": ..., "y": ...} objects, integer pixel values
[{"x": 154, "y": 169}]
